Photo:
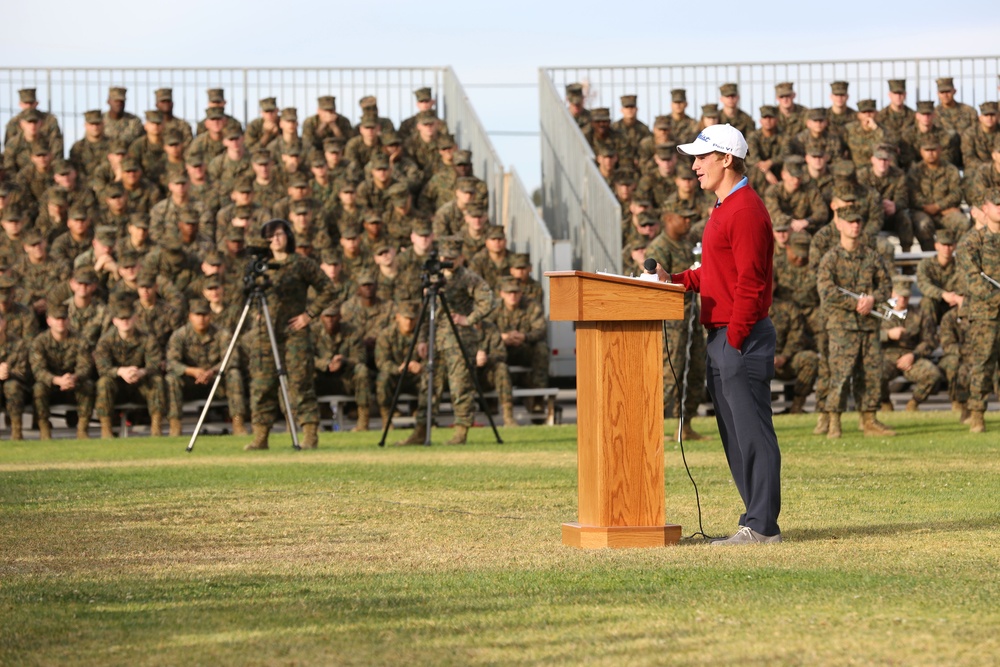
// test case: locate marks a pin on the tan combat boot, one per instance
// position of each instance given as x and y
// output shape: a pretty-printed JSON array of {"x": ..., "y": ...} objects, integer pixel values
[
  {"x": 106, "y": 431},
  {"x": 822, "y": 424},
  {"x": 239, "y": 427},
  {"x": 508, "y": 414},
  {"x": 44, "y": 429},
  {"x": 386, "y": 414},
  {"x": 81, "y": 430},
  {"x": 833, "y": 429},
  {"x": 887, "y": 406},
  {"x": 16, "y": 428},
  {"x": 689, "y": 433},
  {"x": 156, "y": 424},
  {"x": 964, "y": 416},
  {"x": 912, "y": 405},
  {"x": 310, "y": 436},
  {"x": 873, "y": 427},
  {"x": 798, "y": 405},
  {"x": 957, "y": 406},
  {"x": 461, "y": 433},
  {"x": 976, "y": 422},
  {"x": 175, "y": 428},
  {"x": 364, "y": 416},
  {"x": 260, "y": 433},
  {"x": 416, "y": 438}
]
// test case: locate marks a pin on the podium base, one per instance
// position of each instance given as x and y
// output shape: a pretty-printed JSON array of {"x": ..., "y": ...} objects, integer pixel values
[{"x": 619, "y": 537}]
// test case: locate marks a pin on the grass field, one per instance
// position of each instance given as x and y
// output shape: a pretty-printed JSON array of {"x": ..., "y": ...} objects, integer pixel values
[{"x": 136, "y": 553}]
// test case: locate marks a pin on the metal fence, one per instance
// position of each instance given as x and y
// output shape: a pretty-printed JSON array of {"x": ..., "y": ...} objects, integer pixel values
[
  {"x": 577, "y": 203},
  {"x": 976, "y": 81}
]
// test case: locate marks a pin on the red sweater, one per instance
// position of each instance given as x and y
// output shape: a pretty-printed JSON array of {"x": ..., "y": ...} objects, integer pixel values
[{"x": 736, "y": 266}]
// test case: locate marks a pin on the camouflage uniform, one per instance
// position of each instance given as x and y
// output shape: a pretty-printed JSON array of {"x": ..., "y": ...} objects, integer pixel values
[
  {"x": 656, "y": 187},
  {"x": 675, "y": 257},
  {"x": 979, "y": 251},
  {"x": 941, "y": 186},
  {"x": 933, "y": 280},
  {"x": 186, "y": 348},
  {"x": 14, "y": 353},
  {"x": 954, "y": 362},
  {"x": 892, "y": 186},
  {"x": 740, "y": 119},
  {"x": 919, "y": 339},
  {"x": 89, "y": 155},
  {"x": 894, "y": 121},
  {"x": 981, "y": 181},
  {"x": 113, "y": 352},
  {"x": 793, "y": 344},
  {"x": 286, "y": 299},
  {"x": 976, "y": 145},
  {"x": 352, "y": 377},
  {"x": 488, "y": 269},
  {"x": 495, "y": 374},
  {"x": 391, "y": 348},
  {"x": 909, "y": 145},
  {"x": 159, "y": 321},
  {"x": 225, "y": 172},
  {"x": 854, "y": 338},
  {"x": 21, "y": 320},
  {"x": 762, "y": 147},
  {"x": 956, "y": 118},
  {"x": 529, "y": 319},
  {"x": 128, "y": 128},
  {"x": 683, "y": 129},
  {"x": 805, "y": 203},
  {"x": 861, "y": 142},
  {"x": 152, "y": 158},
  {"x": 467, "y": 294},
  {"x": 38, "y": 279},
  {"x": 51, "y": 358}
]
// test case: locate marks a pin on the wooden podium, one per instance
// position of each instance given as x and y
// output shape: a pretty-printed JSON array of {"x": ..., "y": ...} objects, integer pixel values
[{"x": 619, "y": 405}]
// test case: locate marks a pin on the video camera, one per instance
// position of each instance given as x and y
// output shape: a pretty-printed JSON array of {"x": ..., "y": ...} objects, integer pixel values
[
  {"x": 433, "y": 266},
  {"x": 258, "y": 264}
]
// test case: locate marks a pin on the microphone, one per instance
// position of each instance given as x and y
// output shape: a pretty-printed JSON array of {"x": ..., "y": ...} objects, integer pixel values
[{"x": 649, "y": 274}]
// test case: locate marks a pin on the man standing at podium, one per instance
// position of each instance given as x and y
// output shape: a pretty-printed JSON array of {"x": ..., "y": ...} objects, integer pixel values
[{"x": 734, "y": 280}]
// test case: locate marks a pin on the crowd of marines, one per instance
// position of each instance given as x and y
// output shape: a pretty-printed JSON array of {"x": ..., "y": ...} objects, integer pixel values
[
  {"x": 123, "y": 262},
  {"x": 837, "y": 181}
]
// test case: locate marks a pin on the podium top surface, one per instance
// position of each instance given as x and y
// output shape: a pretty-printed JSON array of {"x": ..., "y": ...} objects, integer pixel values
[{"x": 580, "y": 296}]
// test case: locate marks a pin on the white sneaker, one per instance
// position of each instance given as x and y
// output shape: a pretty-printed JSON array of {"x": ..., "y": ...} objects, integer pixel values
[{"x": 746, "y": 535}]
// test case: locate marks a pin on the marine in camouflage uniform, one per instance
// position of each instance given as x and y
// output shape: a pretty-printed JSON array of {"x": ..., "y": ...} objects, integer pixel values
[
  {"x": 367, "y": 313},
  {"x": 864, "y": 134},
  {"x": 853, "y": 337},
  {"x": 118, "y": 123},
  {"x": 792, "y": 200},
  {"x": 48, "y": 124},
  {"x": 191, "y": 354},
  {"x": 896, "y": 116},
  {"x": 793, "y": 360},
  {"x": 18, "y": 151},
  {"x": 979, "y": 251},
  {"x": 259, "y": 135},
  {"x": 492, "y": 369},
  {"x": 149, "y": 148},
  {"x": 941, "y": 284},
  {"x": 524, "y": 331},
  {"x": 838, "y": 113},
  {"x": 980, "y": 181},
  {"x": 14, "y": 367},
  {"x": 531, "y": 289},
  {"x": 926, "y": 125},
  {"x": 391, "y": 349},
  {"x": 954, "y": 362},
  {"x": 765, "y": 150},
  {"x": 574, "y": 101},
  {"x": 978, "y": 139},
  {"x": 791, "y": 116},
  {"x": 157, "y": 317},
  {"x": 324, "y": 124},
  {"x": 55, "y": 353},
  {"x": 673, "y": 250},
  {"x": 37, "y": 272},
  {"x": 601, "y": 136},
  {"x": 935, "y": 194},
  {"x": 339, "y": 360},
  {"x": 629, "y": 127},
  {"x": 733, "y": 115},
  {"x": 953, "y": 115},
  {"x": 135, "y": 349},
  {"x": 893, "y": 193},
  {"x": 907, "y": 346},
  {"x": 492, "y": 263},
  {"x": 21, "y": 320}
]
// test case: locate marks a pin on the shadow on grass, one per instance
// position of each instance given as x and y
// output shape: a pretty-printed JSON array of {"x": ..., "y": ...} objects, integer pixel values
[{"x": 884, "y": 529}]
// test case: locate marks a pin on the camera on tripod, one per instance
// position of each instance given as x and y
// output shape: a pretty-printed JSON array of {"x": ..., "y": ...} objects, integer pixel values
[
  {"x": 433, "y": 266},
  {"x": 257, "y": 266}
]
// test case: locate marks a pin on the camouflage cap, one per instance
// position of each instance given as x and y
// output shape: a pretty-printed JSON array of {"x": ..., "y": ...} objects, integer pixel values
[
  {"x": 520, "y": 260},
  {"x": 600, "y": 114},
  {"x": 475, "y": 210},
  {"x": 897, "y": 85},
  {"x": 106, "y": 237},
  {"x": 606, "y": 150},
  {"x": 988, "y": 109},
  {"x": 7, "y": 283},
  {"x": 379, "y": 161},
  {"x": 56, "y": 310},
  {"x": 62, "y": 167},
  {"x": 27, "y": 95},
  {"x": 216, "y": 95},
  {"x": 628, "y": 100},
  {"x": 818, "y": 113},
  {"x": 422, "y": 228},
  {"x": 291, "y": 149},
  {"x": 799, "y": 243},
  {"x": 350, "y": 232},
  {"x": 815, "y": 147},
  {"x": 648, "y": 220},
  {"x": 122, "y": 309},
  {"x": 428, "y": 117},
  {"x": 85, "y": 275},
  {"x": 423, "y": 94},
  {"x": 212, "y": 282},
  {"x": 78, "y": 212},
  {"x": 843, "y": 169},
  {"x": 31, "y": 237},
  {"x": 467, "y": 184},
  {"x": 769, "y": 111},
  {"x": 496, "y": 232},
  {"x": 636, "y": 244},
  {"x": 330, "y": 256},
  {"x": 58, "y": 197},
  {"x": 685, "y": 172},
  {"x": 574, "y": 92},
  {"x": 348, "y": 187},
  {"x": 666, "y": 151},
  {"x": 244, "y": 185},
  {"x": 164, "y": 94},
  {"x": 390, "y": 138},
  {"x": 710, "y": 110},
  {"x": 327, "y": 103},
  {"x": 946, "y": 84},
  {"x": 40, "y": 147},
  {"x": 232, "y": 132},
  {"x": 213, "y": 258},
  {"x": 624, "y": 177},
  {"x": 234, "y": 233},
  {"x": 31, "y": 116},
  {"x": 301, "y": 207},
  {"x": 780, "y": 226},
  {"x": 333, "y": 310},
  {"x": 839, "y": 87},
  {"x": 333, "y": 145},
  {"x": 930, "y": 142},
  {"x": 131, "y": 164},
  {"x": 368, "y": 120},
  {"x": 139, "y": 221},
  {"x": 450, "y": 247},
  {"x": 189, "y": 216},
  {"x": 116, "y": 93},
  {"x": 408, "y": 309},
  {"x": 214, "y": 113},
  {"x": 194, "y": 159},
  {"x": 261, "y": 156},
  {"x": 902, "y": 286},
  {"x": 661, "y": 123},
  {"x": 510, "y": 284},
  {"x": 365, "y": 278},
  {"x": 678, "y": 95},
  {"x": 12, "y": 214},
  {"x": 944, "y": 236},
  {"x": 268, "y": 104},
  {"x": 884, "y": 152},
  {"x": 794, "y": 165},
  {"x": 154, "y": 116},
  {"x": 177, "y": 177},
  {"x": 728, "y": 89},
  {"x": 848, "y": 214},
  {"x": 129, "y": 259},
  {"x": 290, "y": 114},
  {"x": 925, "y": 107},
  {"x": 397, "y": 190},
  {"x": 93, "y": 117},
  {"x": 173, "y": 137},
  {"x": 298, "y": 180},
  {"x": 199, "y": 307},
  {"x": 867, "y": 106},
  {"x": 784, "y": 89},
  {"x": 368, "y": 102}
]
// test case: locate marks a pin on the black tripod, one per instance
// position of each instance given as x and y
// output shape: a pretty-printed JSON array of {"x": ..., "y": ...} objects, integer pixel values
[
  {"x": 432, "y": 282},
  {"x": 255, "y": 283}
]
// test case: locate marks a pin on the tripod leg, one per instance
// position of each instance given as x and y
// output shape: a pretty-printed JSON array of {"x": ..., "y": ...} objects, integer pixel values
[
  {"x": 279, "y": 363},
  {"x": 431, "y": 302},
  {"x": 402, "y": 376},
  {"x": 470, "y": 368},
  {"x": 222, "y": 369}
]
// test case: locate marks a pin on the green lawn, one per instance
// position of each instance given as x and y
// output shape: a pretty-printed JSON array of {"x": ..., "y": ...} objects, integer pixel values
[{"x": 137, "y": 553}]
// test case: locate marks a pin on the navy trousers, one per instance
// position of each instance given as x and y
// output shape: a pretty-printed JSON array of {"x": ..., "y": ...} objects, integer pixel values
[{"x": 740, "y": 386}]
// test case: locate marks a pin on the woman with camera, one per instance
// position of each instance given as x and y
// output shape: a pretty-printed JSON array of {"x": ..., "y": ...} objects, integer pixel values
[{"x": 290, "y": 275}]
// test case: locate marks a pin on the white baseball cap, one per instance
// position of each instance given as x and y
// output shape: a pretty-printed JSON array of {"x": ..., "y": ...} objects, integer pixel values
[{"x": 721, "y": 138}]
